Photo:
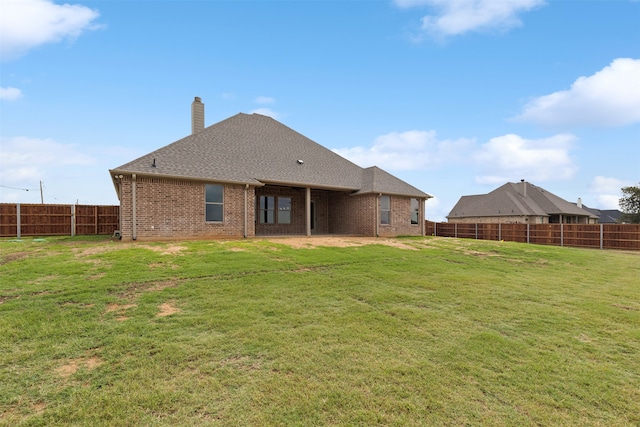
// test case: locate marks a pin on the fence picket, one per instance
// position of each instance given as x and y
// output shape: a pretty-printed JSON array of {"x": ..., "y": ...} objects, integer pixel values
[
  {"x": 599, "y": 236},
  {"x": 18, "y": 220}
]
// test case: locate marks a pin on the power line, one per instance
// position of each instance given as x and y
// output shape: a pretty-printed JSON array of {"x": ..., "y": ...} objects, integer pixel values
[{"x": 16, "y": 188}]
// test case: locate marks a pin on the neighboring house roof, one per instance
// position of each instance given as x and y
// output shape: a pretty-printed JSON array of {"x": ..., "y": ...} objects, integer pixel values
[
  {"x": 519, "y": 199},
  {"x": 605, "y": 216},
  {"x": 257, "y": 150}
]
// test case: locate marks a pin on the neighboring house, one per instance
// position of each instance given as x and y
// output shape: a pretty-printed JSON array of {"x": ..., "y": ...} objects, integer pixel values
[
  {"x": 605, "y": 216},
  {"x": 250, "y": 175},
  {"x": 519, "y": 203}
]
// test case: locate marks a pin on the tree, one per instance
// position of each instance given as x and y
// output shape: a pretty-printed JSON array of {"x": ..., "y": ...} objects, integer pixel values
[{"x": 630, "y": 204}]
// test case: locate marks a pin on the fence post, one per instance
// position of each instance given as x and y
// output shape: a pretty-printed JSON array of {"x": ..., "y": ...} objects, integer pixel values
[
  {"x": 73, "y": 220},
  {"x": 18, "y": 222},
  {"x": 601, "y": 236},
  {"x": 499, "y": 231},
  {"x": 435, "y": 229},
  {"x": 528, "y": 232},
  {"x": 561, "y": 234},
  {"x": 476, "y": 231}
]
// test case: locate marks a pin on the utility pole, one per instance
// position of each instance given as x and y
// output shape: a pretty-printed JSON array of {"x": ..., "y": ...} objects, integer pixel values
[{"x": 41, "y": 196}]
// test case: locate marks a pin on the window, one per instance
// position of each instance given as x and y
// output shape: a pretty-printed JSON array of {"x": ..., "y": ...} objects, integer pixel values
[
  {"x": 213, "y": 201},
  {"x": 269, "y": 214},
  {"x": 415, "y": 211},
  {"x": 266, "y": 210},
  {"x": 284, "y": 210},
  {"x": 385, "y": 210}
]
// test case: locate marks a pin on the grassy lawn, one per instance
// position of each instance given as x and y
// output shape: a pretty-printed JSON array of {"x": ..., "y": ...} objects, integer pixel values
[{"x": 429, "y": 332}]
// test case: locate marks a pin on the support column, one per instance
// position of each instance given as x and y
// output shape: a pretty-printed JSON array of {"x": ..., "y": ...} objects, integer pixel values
[
  {"x": 134, "y": 218},
  {"x": 18, "y": 221},
  {"x": 246, "y": 210}
]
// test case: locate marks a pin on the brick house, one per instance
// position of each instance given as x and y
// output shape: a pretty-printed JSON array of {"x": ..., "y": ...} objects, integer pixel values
[
  {"x": 520, "y": 202},
  {"x": 250, "y": 175}
]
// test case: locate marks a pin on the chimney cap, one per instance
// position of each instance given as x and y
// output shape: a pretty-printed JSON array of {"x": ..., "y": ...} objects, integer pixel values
[{"x": 197, "y": 99}]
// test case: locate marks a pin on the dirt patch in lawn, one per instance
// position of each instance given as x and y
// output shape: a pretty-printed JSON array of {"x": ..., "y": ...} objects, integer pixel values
[
  {"x": 15, "y": 256},
  {"x": 112, "y": 308},
  {"x": 338, "y": 241},
  {"x": 167, "y": 309},
  {"x": 72, "y": 366},
  {"x": 170, "y": 249}
]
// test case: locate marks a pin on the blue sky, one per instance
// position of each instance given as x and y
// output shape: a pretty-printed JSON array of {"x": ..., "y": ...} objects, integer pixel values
[{"x": 456, "y": 97}]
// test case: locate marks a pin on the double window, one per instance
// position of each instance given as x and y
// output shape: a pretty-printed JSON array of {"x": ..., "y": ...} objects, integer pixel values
[
  {"x": 213, "y": 202},
  {"x": 272, "y": 210}
]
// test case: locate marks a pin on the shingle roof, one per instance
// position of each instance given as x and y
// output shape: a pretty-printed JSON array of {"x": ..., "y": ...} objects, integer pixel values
[
  {"x": 376, "y": 180},
  {"x": 509, "y": 200},
  {"x": 605, "y": 216},
  {"x": 256, "y": 149}
]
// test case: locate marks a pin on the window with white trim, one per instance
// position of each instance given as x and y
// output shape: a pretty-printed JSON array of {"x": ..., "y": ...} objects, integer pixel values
[{"x": 213, "y": 202}]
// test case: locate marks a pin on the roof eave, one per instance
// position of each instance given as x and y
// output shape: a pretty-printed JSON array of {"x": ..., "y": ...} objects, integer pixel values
[
  {"x": 306, "y": 185},
  {"x": 252, "y": 182}
]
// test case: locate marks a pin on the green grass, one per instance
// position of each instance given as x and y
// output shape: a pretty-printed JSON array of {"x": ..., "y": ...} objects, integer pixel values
[{"x": 453, "y": 332}]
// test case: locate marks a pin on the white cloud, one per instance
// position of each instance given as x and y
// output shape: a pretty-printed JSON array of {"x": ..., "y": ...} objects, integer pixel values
[
  {"x": 10, "y": 93},
  {"x": 265, "y": 100},
  {"x": 266, "y": 112},
  {"x": 610, "y": 97},
  {"x": 511, "y": 157},
  {"x": 27, "y": 160},
  {"x": 410, "y": 150},
  {"x": 25, "y": 24},
  {"x": 607, "y": 191},
  {"x": 455, "y": 17}
]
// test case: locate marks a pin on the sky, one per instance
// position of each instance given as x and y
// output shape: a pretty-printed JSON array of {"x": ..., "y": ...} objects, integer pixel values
[{"x": 456, "y": 97}]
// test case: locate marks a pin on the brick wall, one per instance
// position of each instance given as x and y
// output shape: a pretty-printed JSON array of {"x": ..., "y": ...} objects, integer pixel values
[
  {"x": 167, "y": 208},
  {"x": 298, "y": 218},
  {"x": 400, "y": 221},
  {"x": 352, "y": 214},
  {"x": 170, "y": 208}
]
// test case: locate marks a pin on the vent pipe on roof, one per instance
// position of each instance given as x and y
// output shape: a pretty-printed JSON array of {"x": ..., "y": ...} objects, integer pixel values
[
  {"x": 197, "y": 115},
  {"x": 524, "y": 187}
]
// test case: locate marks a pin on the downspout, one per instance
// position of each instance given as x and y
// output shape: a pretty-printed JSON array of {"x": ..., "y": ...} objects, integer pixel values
[
  {"x": 134, "y": 234},
  {"x": 246, "y": 210}
]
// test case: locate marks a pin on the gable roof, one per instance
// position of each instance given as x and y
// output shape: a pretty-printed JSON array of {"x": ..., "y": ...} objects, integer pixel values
[
  {"x": 605, "y": 216},
  {"x": 376, "y": 180},
  {"x": 510, "y": 199},
  {"x": 257, "y": 150}
]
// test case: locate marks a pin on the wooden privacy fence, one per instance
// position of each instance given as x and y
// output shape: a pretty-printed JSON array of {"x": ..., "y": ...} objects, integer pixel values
[
  {"x": 602, "y": 236},
  {"x": 17, "y": 220}
]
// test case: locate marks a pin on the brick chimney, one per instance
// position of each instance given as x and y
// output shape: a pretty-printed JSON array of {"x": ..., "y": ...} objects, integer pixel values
[
  {"x": 524, "y": 187},
  {"x": 197, "y": 115}
]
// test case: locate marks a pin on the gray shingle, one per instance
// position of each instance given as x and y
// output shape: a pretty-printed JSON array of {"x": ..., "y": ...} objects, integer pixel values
[
  {"x": 509, "y": 200},
  {"x": 256, "y": 149}
]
